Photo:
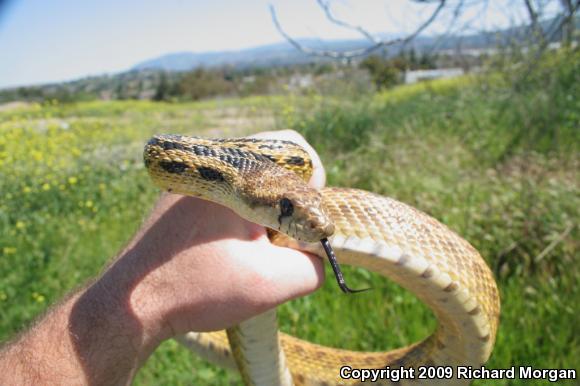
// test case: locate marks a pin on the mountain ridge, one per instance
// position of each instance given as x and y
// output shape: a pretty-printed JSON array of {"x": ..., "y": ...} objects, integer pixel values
[
  {"x": 280, "y": 53},
  {"x": 284, "y": 53}
]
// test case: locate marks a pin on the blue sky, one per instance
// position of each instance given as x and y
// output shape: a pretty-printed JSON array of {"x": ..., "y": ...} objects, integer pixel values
[{"x": 53, "y": 40}]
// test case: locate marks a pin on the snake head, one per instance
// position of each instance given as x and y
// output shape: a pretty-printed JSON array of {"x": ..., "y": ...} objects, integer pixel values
[{"x": 301, "y": 215}]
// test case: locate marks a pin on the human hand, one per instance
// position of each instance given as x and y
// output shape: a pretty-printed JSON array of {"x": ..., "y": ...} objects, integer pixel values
[{"x": 197, "y": 266}]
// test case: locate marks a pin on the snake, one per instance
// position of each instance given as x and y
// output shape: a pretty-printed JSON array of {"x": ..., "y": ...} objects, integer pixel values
[{"x": 265, "y": 182}]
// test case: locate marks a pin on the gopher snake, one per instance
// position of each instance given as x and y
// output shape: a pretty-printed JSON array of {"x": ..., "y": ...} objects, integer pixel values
[{"x": 263, "y": 181}]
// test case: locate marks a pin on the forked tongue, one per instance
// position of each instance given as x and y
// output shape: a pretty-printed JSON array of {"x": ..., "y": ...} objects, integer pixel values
[{"x": 336, "y": 268}]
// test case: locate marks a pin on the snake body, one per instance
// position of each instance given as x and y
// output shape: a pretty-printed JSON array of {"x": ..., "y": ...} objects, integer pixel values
[{"x": 260, "y": 179}]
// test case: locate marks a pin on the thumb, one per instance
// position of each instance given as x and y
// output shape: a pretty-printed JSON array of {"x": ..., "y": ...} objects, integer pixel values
[{"x": 292, "y": 273}]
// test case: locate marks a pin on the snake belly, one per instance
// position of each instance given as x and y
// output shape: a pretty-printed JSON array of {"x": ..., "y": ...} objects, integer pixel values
[{"x": 370, "y": 231}]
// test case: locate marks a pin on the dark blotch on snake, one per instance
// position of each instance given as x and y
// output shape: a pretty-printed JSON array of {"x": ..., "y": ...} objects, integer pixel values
[
  {"x": 210, "y": 174},
  {"x": 173, "y": 166},
  {"x": 244, "y": 161},
  {"x": 239, "y": 163},
  {"x": 269, "y": 146},
  {"x": 153, "y": 142},
  {"x": 233, "y": 151},
  {"x": 201, "y": 150},
  {"x": 295, "y": 160},
  {"x": 168, "y": 145}
]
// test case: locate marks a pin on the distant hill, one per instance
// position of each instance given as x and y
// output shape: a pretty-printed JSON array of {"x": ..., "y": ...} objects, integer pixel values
[
  {"x": 283, "y": 54},
  {"x": 278, "y": 54}
]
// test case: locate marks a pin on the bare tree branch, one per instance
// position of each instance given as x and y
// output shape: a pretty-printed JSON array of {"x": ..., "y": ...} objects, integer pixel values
[
  {"x": 456, "y": 13},
  {"x": 377, "y": 43},
  {"x": 534, "y": 16},
  {"x": 570, "y": 7},
  {"x": 566, "y": 20},
  {"x": 532, "y": 13},
  {"x": 325, "y": 5}
]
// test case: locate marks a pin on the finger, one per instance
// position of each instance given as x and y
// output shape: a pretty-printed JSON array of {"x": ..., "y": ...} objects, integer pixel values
[{"x": 291, "y": 273}]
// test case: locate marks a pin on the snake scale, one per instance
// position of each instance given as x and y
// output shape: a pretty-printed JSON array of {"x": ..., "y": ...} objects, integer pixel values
[{"x": 264, "y": 182}]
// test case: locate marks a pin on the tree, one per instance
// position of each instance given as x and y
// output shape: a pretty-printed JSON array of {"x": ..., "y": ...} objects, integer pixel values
[
  {"x": 383, "y": 72},
  {"x": 163, "y": 88},
  {"x": 541, "y": 35},
  {"x": 375, "y": 42},
  {"x": 201, "y": 83}
]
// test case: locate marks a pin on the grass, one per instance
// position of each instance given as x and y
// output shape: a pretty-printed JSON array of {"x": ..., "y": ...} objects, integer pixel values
[{"x": 498, "y": 164}]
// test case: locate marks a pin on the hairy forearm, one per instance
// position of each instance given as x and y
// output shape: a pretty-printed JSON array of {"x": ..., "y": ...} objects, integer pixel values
[
  {"x": 93, "y": 337},
  {"x": 34, "y": 356}
]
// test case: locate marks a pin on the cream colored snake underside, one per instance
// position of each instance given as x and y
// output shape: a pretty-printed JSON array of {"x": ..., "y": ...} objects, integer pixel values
[{"x": 407, "y": 246}]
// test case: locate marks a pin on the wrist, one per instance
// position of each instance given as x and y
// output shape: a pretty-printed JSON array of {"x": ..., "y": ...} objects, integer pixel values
[
  {"x": 127, "y": 299},
  {"x": 104, "y": 325}
]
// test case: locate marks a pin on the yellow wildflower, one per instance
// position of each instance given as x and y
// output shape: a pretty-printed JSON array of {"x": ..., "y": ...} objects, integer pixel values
[
  {"x": 37, "y": 155},
  {"x": 9, "y": 250},
  {"x": 38, "y": 297},
  {"x": 46, "y": 186},
  {"x": 20, "y": 224},
  {"x": 72, "y": 180}
]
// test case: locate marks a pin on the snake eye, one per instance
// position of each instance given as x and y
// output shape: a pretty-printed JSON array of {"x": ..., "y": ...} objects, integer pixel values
[{"x": 286, "y": 207}]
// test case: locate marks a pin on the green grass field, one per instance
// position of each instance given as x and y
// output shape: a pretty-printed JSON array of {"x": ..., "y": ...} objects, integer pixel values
[{"x": 497, "y": 163}]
